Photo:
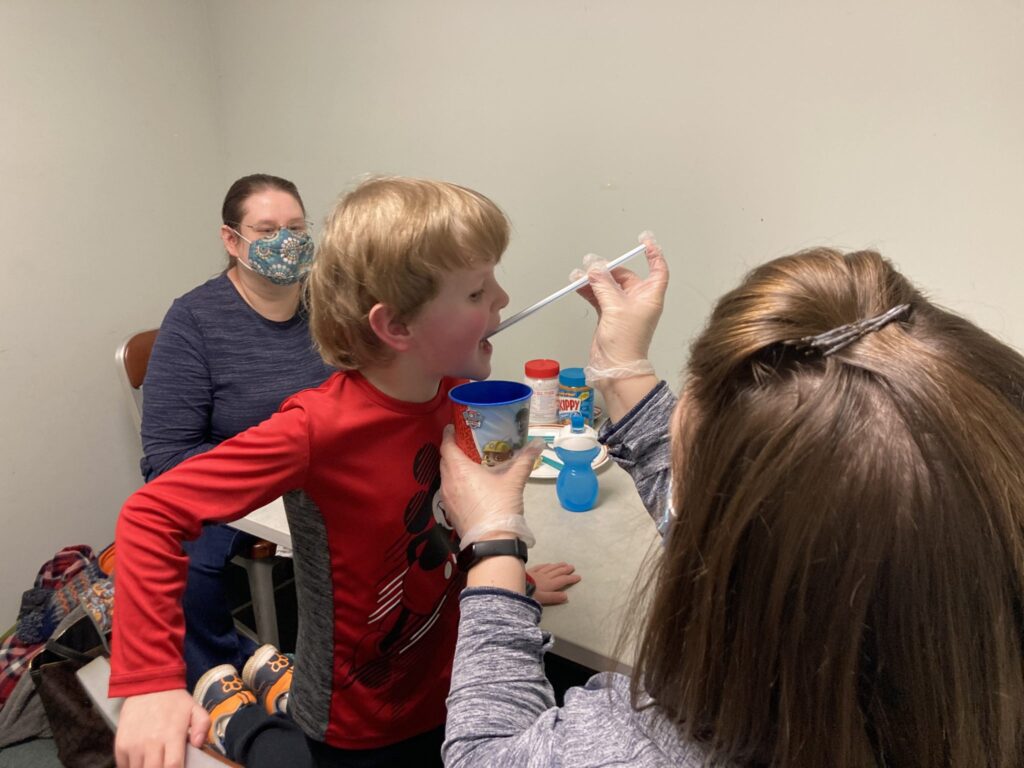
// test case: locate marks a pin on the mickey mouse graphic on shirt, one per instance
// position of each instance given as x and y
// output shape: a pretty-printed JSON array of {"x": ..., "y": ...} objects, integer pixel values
[{"x": 421, "y": 578}]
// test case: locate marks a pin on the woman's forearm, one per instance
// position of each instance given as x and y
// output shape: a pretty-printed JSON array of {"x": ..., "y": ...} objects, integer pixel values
[
  {"x": 622, "y": 395},
  {"x": 501, "y": 706},
  {"x": 501, "y": 571},
  {"x": 640, "y": 443}
]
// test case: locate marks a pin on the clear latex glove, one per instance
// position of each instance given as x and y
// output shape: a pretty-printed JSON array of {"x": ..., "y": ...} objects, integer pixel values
[
  {"x": 481, "y": 501},
  {"x": 153, "y": 727},
  {"x": 628, "y": 309}
]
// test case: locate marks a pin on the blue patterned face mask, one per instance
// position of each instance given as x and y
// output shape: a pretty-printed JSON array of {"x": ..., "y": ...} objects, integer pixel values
[{"x": 284, "y": 259}]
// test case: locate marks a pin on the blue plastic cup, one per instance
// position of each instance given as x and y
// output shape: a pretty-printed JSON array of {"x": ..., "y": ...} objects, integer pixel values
[{"x": 492, "y": 419}]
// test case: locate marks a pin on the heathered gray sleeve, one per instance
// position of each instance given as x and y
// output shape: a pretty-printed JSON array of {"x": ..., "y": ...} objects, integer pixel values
[
  {"x": 501, "y": 711},
  {"x": 639, "y": 442}
]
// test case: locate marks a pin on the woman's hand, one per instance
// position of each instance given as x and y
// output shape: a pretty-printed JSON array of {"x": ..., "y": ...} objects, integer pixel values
[
  {"x": 551, "y": 580},
  {"x": 153, "y": 729},
  {"x": 628, "y": 309},
  {"x": 481, "y": 502}
]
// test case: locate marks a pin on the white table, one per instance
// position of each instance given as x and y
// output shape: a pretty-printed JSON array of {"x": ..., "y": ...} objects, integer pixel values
[
  {"x": 269, "y": 522},
  {"x": 608, "y": 545}
]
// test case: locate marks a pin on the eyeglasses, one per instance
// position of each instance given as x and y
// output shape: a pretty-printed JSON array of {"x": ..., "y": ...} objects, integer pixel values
[{"x": 270, "y": 232}]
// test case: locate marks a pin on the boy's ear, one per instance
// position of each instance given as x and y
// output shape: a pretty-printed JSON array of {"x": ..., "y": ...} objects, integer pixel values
[{"x": 389, "y": 328}]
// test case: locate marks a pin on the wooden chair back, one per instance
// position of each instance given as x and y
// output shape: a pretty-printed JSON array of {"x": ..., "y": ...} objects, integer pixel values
[{"x": 132, "y": 359}]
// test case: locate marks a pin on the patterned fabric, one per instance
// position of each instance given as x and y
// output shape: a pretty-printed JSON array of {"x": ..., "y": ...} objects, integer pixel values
[
  {"x": 15, "y": 656},
  {"x": 66, "y": 563},
  {"x": 76, "y": 589},
  {"x": 284, "y": 259},
  {"x": 98, "y": 603},
  {"x": 43, "y": 609},
  {"x": 74, "y": 568},
  {"x": 35, "y": 604}
]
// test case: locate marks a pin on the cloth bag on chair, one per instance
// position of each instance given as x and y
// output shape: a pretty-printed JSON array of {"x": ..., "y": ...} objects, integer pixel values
[{"x": 81, "y": 735}]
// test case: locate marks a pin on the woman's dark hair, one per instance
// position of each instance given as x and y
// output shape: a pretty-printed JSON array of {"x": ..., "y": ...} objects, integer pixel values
[
  {"x": 233, "y": 210},
  {"x": 843, "y": 583}
]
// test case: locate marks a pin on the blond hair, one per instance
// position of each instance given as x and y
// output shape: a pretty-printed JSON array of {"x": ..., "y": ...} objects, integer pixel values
[
  {"x": 389, "y": 241},
  {"x": 843, "y": 585}
]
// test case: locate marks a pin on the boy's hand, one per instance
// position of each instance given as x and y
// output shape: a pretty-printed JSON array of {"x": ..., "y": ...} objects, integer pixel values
[
  {"x": 551, "y": 580},
  {"x": 153, "y": 727},
  {"x": 480, "y": 501}
]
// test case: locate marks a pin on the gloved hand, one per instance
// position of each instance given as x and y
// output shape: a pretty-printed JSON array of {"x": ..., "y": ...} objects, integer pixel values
[
  {"x": 479, "y": 501},
  {"x": 628, "y": 309}
]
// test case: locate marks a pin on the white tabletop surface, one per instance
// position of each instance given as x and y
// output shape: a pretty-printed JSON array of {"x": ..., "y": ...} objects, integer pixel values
[
  {"x": 269, "y": 522},
  {"x": 608, "y": 545}
]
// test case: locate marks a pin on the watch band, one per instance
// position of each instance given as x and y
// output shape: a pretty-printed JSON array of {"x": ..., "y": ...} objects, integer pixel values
[{"x": 478, "y": 550}]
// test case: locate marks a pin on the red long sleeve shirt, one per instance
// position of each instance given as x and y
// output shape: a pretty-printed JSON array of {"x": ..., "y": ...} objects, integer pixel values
[{"x": 375, "y": 567}]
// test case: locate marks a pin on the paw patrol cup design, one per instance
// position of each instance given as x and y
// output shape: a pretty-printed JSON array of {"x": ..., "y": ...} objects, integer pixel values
[{"x": 492, "y": 419}]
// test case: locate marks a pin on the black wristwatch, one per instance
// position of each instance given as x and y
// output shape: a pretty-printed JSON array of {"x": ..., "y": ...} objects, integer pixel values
[{"x": 478, "y": 550}]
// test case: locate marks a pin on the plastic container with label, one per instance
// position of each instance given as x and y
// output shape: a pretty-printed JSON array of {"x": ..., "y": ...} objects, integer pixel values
[
  {"x": 542, "y": 377},
  {"x": 574, "y": 396}
]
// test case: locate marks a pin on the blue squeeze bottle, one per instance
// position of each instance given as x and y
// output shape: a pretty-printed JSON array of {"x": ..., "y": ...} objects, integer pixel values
[{"x": 577, "y": 447}]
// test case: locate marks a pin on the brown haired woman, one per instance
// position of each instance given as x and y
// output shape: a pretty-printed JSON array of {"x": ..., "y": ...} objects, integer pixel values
[
  {"x": 842, "y": 583},
  {"x": 228, "y": 353}
]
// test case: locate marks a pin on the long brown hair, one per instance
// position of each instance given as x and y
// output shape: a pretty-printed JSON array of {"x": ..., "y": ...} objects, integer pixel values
[{"x": 843, "y": 583}]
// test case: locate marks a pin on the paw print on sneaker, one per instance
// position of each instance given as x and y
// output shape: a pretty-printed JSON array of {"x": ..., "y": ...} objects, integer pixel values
[{"x": 269, "y": 673}]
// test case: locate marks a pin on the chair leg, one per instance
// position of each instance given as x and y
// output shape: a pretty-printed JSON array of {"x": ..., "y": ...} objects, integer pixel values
[{"x": 261, "y": 586}]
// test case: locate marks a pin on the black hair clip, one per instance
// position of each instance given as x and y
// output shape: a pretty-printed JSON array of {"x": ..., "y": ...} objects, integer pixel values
[{"x": 832, "y": 341}]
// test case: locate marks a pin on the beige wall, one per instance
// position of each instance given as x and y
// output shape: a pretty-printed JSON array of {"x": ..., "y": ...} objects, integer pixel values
[
  {"x": 736, "y": 131},
  {"x": 110, "y": 171}
]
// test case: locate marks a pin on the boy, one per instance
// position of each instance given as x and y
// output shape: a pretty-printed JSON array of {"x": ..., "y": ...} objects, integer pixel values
[{"x": 402, "y": 295}]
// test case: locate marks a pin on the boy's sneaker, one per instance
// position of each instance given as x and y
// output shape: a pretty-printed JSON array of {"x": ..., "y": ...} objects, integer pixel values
[
  {"x": 269, "y": 673},
  {"x": 221, "y": 692}
]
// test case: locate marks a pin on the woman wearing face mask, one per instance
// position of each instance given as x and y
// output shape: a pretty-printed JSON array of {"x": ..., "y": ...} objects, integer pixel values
[{"x": 228, "y": 353}]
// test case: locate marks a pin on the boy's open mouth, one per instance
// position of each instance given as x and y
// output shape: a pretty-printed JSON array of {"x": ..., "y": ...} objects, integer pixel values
[{"x": 485, "y": 345}]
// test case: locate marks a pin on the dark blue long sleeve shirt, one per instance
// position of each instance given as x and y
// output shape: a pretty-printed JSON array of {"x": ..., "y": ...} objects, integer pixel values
[{"x": 219, "y": 367}]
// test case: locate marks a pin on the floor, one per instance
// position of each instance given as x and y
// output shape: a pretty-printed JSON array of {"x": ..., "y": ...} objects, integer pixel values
[{"x": 39, "y": 753}]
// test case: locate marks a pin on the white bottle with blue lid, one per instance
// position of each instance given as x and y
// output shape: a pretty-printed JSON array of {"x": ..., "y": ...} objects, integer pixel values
[{"x": 577, "y": 447}]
